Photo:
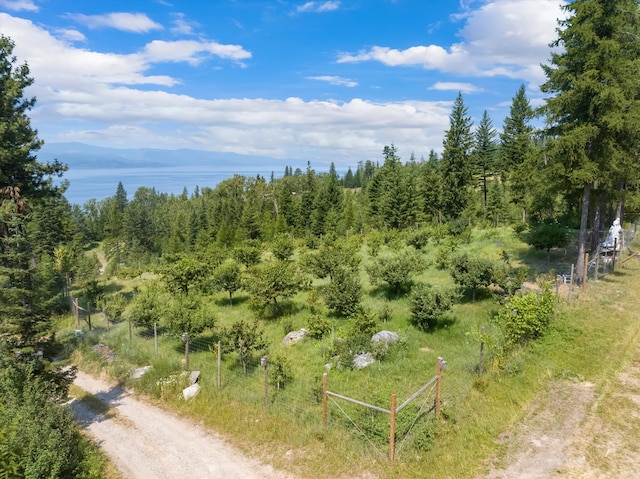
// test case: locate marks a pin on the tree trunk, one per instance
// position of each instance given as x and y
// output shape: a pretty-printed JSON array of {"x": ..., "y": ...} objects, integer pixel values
[
  {"x": 597, "y": 225},
  {"x": 230, "y": 298},
  {"x": 582, "y": 238}
]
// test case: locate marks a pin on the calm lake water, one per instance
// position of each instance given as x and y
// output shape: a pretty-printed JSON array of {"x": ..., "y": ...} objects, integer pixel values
[{"x": 99, "y": 183}]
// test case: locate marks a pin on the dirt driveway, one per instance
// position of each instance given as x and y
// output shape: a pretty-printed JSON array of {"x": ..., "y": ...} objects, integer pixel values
[{"x": 145, "y": 442}]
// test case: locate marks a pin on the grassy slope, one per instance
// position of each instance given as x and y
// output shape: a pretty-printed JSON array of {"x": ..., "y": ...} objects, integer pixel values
[{"x": 592, "y": 337}]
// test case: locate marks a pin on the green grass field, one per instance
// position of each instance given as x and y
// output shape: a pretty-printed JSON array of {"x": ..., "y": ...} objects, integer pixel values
[{"x": 588, "y": 339}]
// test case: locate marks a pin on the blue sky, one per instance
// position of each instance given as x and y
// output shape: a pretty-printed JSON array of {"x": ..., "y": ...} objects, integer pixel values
[{"x": 332, "y": 80}]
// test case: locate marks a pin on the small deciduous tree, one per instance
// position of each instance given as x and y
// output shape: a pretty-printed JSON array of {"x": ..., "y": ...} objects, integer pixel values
[
  {"x": 547, "y": 235},
  {"x": 344, "y": 293},
  {"x": 283, "y": 247},
  {"x": 395, "y": 269},
  {"x": 147, "y": 306},
  {"x": 472, "y": 272},
  {"x": 333, "y": 255},
  {"x": 182, "y": 273},
  {"x": 273, "y": 280},
  {"x": 227, "y": 277},
  {"x": 430, "y": 303},
  {"x": 244, "y": 338},
  {"x": 279, "y": 371}
]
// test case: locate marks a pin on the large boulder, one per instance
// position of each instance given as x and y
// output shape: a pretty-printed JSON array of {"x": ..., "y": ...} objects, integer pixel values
[
  {"x": 362, "y": 360},
  {"x": 294, "y": 336},
  {"x": 385, "y": 337}
]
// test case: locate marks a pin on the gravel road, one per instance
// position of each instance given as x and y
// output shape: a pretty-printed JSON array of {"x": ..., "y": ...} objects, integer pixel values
[{"x": 146, "y": 442}]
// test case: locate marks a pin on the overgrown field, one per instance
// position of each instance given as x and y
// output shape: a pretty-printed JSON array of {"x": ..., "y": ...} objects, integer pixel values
[{"x": 587, "y": 340}]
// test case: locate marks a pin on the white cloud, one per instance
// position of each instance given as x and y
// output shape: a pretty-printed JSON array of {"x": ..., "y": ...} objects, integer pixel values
[
  {"x": 279, "y": 128},
  {"x": 125, "y": 21},
  {"x": 105, "y": 99},
  {"x": 70, "y": 35},
  {"x": 191, "y": 51},
  {"x": 19, "y": 5},
  {"x": 335, "y": 80},
  {"x": 455, "y": 86},
  {"x": 318, "y": 7},
  {"x": 501, "y": 38},
  {"x": 181, "y": 26}
]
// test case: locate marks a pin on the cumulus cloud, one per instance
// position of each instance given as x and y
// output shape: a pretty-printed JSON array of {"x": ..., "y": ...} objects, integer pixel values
[
  {"x": 192, "y": 51},
  {"x": 318, "y": 7},
  {"x": 455, "y": 86},
  {"x": 334, "y": 80},
  {"x": 501, "y": 38},
  {"x": 19, "y": 5},
  {"x": 111, "y": 99},
  {"x": 125, "y": 21}
]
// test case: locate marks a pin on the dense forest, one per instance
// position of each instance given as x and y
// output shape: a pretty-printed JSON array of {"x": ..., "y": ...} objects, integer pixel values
[{"x": 268, "y": 236}]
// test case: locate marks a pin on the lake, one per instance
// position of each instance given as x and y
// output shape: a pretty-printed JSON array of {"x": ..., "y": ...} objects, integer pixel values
[{"x": 100, "y": 183}]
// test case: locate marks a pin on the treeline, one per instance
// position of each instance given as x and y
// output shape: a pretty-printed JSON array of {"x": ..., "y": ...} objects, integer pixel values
[{"x": 481, "y": 178}]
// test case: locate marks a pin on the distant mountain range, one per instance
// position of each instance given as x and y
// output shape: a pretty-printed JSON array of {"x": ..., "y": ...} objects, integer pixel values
[{"x": 83, "y": 156}]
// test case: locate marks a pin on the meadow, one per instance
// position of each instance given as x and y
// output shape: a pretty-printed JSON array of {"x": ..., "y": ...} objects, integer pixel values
[{"x": 589, "y": 337}]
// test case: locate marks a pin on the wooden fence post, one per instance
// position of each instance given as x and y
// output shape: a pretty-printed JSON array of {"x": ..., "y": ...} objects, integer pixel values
[
  {"x": 586, "y": 270},
  {"x": 392, "y": 429},
  {"x": 89, "y": 314},
  {"x": 324, "y": 399},
  {"x": 77, "y": 310},
  {"x": 155, "y": 337},
  {"x": 615, "y": 250}
]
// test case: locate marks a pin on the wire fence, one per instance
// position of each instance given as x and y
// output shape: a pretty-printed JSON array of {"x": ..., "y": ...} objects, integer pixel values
[
  {"x": 261, "y": 388},
  {"x": 177, "y": 366}
]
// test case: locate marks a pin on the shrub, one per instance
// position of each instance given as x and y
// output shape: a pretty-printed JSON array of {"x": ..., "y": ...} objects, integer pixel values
[
  {"x": 279, "y": 371},
  {"x": 429, "y": 304},
  {"x": 526, "y": 317}
]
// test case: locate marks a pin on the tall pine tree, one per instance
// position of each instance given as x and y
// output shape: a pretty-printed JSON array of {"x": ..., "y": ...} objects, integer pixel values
[
  {"x": 24, "y": 182},
  {"x": 456, "y": 161},
  {"x": 517, "y": 147},
  {"x": 594, "y": 111}
]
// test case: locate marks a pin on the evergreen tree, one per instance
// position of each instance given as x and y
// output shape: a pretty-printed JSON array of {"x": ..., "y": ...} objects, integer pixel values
[
  {"x": 484, "y": 153},
  {"x": 517, "y": 147},
  {"x": 456, "y": 164},
  {"x": 430, "y": 189},
  {"x": 24, "y": 182},
  {"x": 593, "y": 115}
]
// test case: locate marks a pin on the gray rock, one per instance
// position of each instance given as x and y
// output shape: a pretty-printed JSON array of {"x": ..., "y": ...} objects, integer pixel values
[
  {"x": 138, "y": 373},
  {"x": 191, "y": 392},
  {"x": 362, "y": 360},
  {"x": 294, "y": 336},
  {"x": 385, "y": 336}
]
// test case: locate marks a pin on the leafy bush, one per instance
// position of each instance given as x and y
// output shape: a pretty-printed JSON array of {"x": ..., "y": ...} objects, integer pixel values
[
  {"x": 429, "y": 304},
  {"x": 396, "y": 268},
  {"x": 472, "y": 272},
  {"x": 526, "y": 317},
  {"x": 38, "y": 437},
  {"x": 344, "y": 293},
  {"x": 279, "y": 371},
  {"x": 544, "y": 236},
  {"x": 318, "y": 326}
]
